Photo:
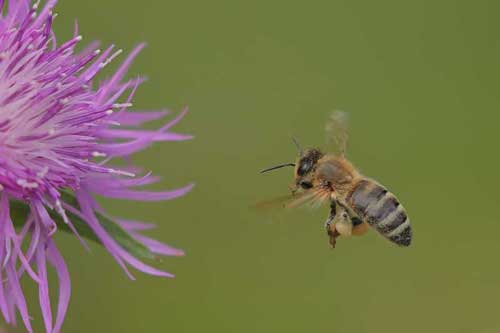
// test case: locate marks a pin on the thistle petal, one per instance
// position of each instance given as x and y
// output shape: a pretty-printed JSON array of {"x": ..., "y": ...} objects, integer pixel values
[{"x": 60, "y": 134}]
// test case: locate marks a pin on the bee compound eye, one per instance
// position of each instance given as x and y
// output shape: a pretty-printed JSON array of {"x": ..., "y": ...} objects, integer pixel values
[{"x": 304, "y": 167}]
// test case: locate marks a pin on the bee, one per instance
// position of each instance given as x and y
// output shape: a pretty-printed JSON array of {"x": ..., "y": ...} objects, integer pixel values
[{"x": 357, "y": 203}]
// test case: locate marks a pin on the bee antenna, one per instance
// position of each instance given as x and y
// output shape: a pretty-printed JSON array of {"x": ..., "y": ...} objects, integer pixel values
[
  {"x": 278, "y": 167},
  {"x": 297, "y": 144}
]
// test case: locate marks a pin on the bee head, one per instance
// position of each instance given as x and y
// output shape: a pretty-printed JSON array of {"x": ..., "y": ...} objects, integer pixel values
[{"x": 304, "y": 167}]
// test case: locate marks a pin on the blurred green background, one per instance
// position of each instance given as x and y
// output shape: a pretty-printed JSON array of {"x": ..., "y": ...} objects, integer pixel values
[{"x": 420, "y": 81}]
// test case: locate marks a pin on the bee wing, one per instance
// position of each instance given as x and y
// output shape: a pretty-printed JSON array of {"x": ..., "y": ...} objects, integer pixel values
[
  {"x": 337, "y": 132},
  {"x": 274, "y": 203},
  {"x": 314, "y": 197}
]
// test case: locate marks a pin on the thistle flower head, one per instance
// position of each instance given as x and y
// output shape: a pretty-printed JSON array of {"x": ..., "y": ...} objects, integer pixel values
[{"x": 59, "y": 132}]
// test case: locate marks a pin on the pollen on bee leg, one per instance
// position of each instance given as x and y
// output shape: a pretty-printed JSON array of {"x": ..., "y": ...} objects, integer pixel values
[
  {"x": 344, "y": 228},
  {"x": 360, "y": 230}
]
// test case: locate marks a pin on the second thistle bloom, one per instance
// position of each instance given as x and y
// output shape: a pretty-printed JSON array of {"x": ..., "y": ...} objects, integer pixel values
[{"x": 59, "y": 132}]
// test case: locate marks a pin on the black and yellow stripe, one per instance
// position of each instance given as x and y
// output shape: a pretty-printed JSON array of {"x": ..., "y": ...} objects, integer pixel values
[{"x": 381, "y": 210}]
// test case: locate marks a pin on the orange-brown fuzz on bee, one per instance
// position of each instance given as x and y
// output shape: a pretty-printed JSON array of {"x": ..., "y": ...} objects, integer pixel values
[{"x": 360, "y": 229}]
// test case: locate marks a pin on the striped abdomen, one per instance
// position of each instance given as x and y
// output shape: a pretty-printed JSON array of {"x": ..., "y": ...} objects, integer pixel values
[{"x": 381, "y": 210}]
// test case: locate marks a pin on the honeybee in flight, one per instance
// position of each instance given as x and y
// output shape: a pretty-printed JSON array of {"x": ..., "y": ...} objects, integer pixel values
[{"x": 356, "y": 202}]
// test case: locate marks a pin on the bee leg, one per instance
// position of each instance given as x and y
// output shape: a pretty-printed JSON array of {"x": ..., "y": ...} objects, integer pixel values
[
  {"x": 331, "y": 217},
  {"x": 348, "y": 208},
  {"x": 331, "y": 231},
  {"x": 333, "y": 209},
  {"x": 328, "y": 224},
  {"x": 343, "y": 224}
]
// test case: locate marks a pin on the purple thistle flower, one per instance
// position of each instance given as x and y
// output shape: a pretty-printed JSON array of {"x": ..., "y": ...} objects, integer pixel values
[{"x": 58, "y": 132}]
